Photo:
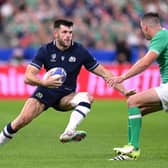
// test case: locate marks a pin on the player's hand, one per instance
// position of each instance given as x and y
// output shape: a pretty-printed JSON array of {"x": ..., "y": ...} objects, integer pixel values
[
  {"x": 51, "y": 82},
  {"x": 115, "y": 80},
  {"x": 129, "y": 93}
]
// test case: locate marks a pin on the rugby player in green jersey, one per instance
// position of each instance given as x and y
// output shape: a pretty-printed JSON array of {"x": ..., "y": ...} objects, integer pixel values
[{"x": 153, "y": 99}]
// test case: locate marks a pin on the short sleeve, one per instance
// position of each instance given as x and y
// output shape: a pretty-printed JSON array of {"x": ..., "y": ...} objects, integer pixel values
[
  {"x": 158, "y": 43},
  {"x": 38, "y": 60},
  {"x": 90, "y": 62}
]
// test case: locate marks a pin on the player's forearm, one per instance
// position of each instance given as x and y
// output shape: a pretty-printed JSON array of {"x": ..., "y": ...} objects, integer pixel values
[
  {"x": 31, "y": 77},
  {"x": 141, "y": 65},
  {"x": 106, "y": 74},
  {"x": 137, "y": 68},
  {"x": 102, "y": 72},
  {"x": 33, "y": 80}
]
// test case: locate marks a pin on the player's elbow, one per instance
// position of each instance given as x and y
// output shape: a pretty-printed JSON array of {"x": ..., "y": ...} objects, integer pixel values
[{"x": 26, "y": 80}]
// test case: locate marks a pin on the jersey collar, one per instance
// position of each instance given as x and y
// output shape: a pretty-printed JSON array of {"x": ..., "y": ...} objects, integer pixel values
[{"x": 54, "y": 43}]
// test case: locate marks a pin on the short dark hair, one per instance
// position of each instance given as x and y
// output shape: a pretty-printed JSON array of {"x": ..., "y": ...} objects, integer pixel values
[
  {"x": 151, "y": 18},
  {"x": 59, "y": 22}
]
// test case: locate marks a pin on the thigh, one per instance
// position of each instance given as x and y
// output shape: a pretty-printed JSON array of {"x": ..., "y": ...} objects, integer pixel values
[
  {"x": 31, "y": 109},
  {"x": 82, "y": 97},
  {"x": 65, "y": 103},
  {"x": 71, "y": 100},
  {"x": 146, "y": 109},
  {"x": 148, "y": 101}
]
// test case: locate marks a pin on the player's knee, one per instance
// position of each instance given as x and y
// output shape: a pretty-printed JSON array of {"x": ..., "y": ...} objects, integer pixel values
[
  {"x": 131, "y": 101},
  {"x": 83, "y": 105},
  {"x": 144, "y": 110},
  {"x": 82, "y": 97}
]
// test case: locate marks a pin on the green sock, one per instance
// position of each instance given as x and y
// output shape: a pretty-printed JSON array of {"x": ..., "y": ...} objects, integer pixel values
[{"x": 134, "y": 122}]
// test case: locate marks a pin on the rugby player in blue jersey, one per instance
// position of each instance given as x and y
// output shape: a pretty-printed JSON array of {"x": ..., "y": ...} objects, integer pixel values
[{"x": 70, "y": 55}]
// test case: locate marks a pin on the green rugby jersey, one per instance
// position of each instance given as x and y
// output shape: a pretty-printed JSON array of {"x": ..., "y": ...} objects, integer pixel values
[{"x": 159, "y": 44}]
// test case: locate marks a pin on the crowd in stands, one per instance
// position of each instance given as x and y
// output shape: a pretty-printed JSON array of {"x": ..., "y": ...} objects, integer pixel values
[{"x": 99, "y": 24}]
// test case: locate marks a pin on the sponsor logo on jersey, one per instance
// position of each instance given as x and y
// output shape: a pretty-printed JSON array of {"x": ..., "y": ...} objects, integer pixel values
[
  {"x": 62, "y": 58},
  {"x": 53, "y": 57},
  {"x": 72, "y": 59}
]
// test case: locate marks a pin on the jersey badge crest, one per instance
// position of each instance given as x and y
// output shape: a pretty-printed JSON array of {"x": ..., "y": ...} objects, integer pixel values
[
  {"x": 72, "y": 59},
  {"x": 39, "y": 95}
]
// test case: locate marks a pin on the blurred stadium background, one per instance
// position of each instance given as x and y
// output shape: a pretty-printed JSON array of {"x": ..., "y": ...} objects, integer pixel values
[{"x": 110, "y": 30}]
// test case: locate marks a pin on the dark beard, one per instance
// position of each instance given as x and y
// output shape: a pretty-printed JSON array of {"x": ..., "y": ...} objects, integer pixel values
[{"x": 62, "y": 45}]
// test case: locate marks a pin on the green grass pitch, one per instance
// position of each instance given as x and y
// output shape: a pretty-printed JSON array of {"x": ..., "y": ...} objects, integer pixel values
[{"x": 37, "y": 145}]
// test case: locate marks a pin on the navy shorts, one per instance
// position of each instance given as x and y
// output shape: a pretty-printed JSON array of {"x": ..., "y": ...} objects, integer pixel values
[{"x": 50, "y": 96}]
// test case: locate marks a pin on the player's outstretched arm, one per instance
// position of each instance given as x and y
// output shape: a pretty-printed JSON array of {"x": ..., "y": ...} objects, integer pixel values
[
  {"x": 141, "y": 65},
  {"x": 137, "y": 68},
  {"x": 107, "y": 75}
]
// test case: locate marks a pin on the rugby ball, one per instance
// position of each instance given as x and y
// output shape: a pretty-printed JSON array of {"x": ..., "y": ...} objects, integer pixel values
[{"x": 56, "y": 72}]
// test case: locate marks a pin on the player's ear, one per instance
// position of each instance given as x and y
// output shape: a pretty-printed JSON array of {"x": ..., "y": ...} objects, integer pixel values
[{"x": 55, "y": 33}]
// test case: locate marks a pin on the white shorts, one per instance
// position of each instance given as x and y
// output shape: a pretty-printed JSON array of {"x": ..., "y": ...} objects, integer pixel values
[{"x": 162, "y": 92}]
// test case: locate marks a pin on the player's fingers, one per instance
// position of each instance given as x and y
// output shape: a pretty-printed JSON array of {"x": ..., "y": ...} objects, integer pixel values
[
  {"x": 110, "y": 83},
  {"x": 130, "y": 93}
]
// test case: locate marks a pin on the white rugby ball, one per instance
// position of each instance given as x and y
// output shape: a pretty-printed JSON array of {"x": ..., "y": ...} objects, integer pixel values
[{"x": 56, "y": 72}]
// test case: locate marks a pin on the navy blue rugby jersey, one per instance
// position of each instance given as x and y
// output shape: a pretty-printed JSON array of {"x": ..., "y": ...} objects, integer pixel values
[{"x": 71, "y": 60}]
